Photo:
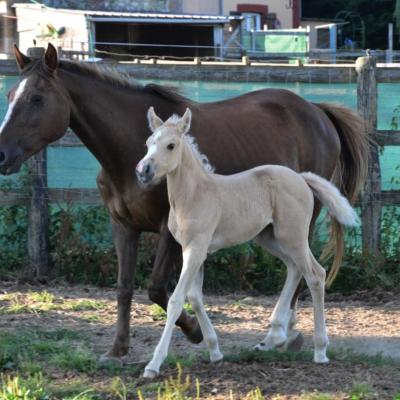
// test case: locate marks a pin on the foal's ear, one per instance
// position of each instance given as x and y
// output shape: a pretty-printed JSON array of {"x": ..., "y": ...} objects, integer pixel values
[
  {"x": 50, "y": 58},
  {"x": 185, "y": 121},
  {"x": 154, "y": 120},
  {"x": 21, "y": 58}
]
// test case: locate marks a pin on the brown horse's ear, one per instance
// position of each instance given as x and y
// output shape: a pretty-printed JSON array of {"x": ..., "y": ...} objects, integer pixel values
[
  {"x": 22, "y": 59},
  {"x": 154, "y": 120},
  {"x": 185, "y": 121},
  {"x": 50, "y": 58}
]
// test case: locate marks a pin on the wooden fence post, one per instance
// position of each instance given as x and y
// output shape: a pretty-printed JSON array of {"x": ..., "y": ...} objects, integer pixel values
[
  {"x": 38, "y": 213},
  {"x": 371, "y": 205},
  {"x": 38, "y": 216}
]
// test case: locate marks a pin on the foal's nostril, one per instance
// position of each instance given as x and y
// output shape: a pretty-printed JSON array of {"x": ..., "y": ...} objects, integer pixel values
[
  {"x": 2, "y": 157},
  {"x": 147, "y": 169}
]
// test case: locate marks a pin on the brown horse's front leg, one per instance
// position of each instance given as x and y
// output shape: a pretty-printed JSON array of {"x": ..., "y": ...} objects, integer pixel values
[
  {"x": 126, "y": 242},
  {"x": 169, "y": 254}
]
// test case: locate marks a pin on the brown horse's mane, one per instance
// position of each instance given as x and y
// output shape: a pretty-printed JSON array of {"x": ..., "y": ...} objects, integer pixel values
[{"x": 122, "y": 80}]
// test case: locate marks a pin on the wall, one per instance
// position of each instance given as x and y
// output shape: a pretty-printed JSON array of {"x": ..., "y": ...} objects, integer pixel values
[
  {"x": 111, "y": 5},
  {"x": 32, "y": 24},
  {"x": 284, "y": 14},
  {"x": 200, "y": 7}
]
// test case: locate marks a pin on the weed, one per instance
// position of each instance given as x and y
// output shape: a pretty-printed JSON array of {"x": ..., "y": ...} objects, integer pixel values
[
  {"x": 17, "y": 388},
  {"x": 361, "y": 391}
]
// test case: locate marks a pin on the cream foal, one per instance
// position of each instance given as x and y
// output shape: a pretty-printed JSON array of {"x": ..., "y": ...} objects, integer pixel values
[{"x": 271, "y": 204}]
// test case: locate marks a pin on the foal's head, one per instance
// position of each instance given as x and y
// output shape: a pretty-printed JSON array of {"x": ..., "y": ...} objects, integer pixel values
[
  {"x": 164, "y": 146},
  {"x": 38, "y": 110}
]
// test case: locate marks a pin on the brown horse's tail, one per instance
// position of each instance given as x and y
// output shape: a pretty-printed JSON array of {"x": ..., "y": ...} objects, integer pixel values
[{"x": 349, "y": 175}]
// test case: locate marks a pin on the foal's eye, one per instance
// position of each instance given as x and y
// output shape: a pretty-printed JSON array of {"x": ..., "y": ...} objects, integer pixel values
[
  {"x": 171, "y": 146},
  {"x": 36, "y": 99}
]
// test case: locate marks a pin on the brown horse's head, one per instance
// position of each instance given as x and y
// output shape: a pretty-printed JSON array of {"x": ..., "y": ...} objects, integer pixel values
[{"x": 38, "y": 110}]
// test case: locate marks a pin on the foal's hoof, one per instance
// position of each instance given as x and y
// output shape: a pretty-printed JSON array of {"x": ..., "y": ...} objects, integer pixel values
[
  {"x": 106, "y": 360},
  {"x": 295, "y": 343},
  {"x": 215, "y": 358},
  {"x": 321, "y": 358},
  {"x": 194, "y": 332},
  {"x": 150, "y": 374}
]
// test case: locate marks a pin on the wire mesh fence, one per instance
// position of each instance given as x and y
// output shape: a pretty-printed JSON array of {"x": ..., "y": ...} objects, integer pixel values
[{"x": 71, "y": 170}]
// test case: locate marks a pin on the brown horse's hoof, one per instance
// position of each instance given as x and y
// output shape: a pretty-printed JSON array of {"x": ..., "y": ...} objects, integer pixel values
[
  {"x": 295, "y": 344},
  {"x": 108, "y": 360},
  {"x": 194, "y": 332}
]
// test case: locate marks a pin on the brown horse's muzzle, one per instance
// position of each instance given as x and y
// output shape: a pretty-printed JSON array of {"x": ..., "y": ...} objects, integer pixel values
[{"x": 11, "y": 158}]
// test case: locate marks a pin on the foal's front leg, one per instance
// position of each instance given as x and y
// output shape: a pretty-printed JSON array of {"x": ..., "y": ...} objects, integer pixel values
[
  {"x": 193, "y": 258},
  {"x": 169, "y": 253}
]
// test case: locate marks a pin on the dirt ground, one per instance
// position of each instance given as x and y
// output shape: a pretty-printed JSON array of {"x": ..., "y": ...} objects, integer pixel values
[{"x": 365, "y": 323}]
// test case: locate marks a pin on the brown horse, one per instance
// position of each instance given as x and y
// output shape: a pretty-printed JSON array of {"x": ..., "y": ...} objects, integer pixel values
[{"x": 108, "y": 113}]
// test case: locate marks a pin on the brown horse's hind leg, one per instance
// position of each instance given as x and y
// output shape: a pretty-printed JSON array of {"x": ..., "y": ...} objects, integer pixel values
[
  {"x": 169, "y": 253},
  {"x": 126, "y": 241}
]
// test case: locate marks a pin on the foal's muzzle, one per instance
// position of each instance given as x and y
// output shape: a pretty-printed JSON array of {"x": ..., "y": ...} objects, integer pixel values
[{"x": 145, "y": 172}]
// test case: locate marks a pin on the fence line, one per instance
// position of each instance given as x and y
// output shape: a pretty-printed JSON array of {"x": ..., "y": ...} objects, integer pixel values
[{"x": 373, "y": 199}]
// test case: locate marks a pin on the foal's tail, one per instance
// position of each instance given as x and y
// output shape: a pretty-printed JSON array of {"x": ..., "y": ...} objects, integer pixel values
[
  {"x": 338, "y": 206},
  {"x": 350, "y": 173}
]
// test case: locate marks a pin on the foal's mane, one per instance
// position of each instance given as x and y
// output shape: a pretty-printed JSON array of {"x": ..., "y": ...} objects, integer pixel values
[
  {"x": 202, "y": 158},
  {"x": 110, "y": 75}
]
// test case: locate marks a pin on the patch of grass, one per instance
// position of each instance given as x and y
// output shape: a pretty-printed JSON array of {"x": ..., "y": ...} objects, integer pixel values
[
  {"x": 359, "y": 358},
  {"x": 18, "y": 350},
  {"x": 159, "y": 314},
  {"x": 39, "y": 302},
  {"x": 80, "y": 360},
  {"x": 185, "y": 361},
  {"x": 247, "y": 355},
  {"x": 28, "y": 303},
  {"x": 83, "y": 305},
  {"x": 71, "y": 389},
  {"x": 92, "y": 318},
  {"x": 41, "y": 297}
]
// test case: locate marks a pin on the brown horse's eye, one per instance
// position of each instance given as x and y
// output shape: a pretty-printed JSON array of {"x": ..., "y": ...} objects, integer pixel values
[
  {"x": 36, "y": 99},
  {"x": 171, "y": 146}
]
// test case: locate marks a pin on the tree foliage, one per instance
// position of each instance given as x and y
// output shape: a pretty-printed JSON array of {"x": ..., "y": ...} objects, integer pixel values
[{"x": 376, "y": 15}]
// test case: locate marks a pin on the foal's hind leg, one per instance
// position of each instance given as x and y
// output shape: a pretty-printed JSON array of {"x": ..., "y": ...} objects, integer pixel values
[
  {"x": 282, "y": 332},
  {"x": 195, "y": 297},
  {"x": 314, "y": 274},
  {"x": 315, "y": 278}
]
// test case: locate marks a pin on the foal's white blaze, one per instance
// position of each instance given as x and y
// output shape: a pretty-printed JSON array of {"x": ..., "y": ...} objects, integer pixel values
[{"x": 18, "y": 94}]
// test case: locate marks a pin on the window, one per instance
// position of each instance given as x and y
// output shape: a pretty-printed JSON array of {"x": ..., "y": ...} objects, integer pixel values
[{"x": 252, "y": 21}]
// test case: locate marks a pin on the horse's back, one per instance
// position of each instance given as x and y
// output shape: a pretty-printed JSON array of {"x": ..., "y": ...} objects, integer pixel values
[{"x": 269, "y": 126}]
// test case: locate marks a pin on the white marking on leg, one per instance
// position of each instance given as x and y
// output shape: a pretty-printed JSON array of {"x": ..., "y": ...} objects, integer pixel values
[{"x": 18, "y": 93}]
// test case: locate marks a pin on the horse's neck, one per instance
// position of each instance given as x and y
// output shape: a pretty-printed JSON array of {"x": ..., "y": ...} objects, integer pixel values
[
  {"x": 183, "y": 182},
  {"x": 101, "y": 117}
]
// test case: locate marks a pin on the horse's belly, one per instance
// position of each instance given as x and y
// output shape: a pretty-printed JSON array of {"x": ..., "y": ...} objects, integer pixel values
[{"x": 232, "y": 234}]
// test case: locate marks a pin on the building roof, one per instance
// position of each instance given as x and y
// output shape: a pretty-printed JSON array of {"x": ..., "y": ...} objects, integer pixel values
[{"x": 116, "y": 16}]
